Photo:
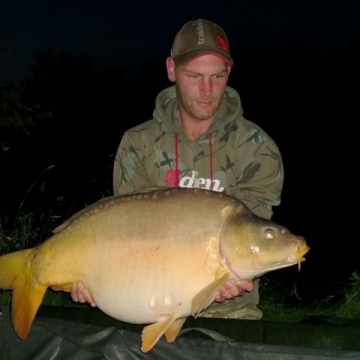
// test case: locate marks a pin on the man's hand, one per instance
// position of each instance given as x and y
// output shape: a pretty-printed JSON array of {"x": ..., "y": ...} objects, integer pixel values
[
  {"x": 231, "y": 290},
  {"x": 80, "y": 294}
]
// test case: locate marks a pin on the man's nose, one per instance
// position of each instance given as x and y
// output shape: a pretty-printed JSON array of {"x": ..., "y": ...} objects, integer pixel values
[{"x": 206, "y": 87}]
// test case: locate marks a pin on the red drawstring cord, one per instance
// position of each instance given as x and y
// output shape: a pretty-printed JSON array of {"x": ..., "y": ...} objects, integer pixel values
[
  {"x": 211, "y": 163},
  {"x": 176, "y": 140},
  {"x": 177, "y": 157}
]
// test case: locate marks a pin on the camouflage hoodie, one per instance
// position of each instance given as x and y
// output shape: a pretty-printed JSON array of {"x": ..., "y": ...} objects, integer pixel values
[{"x": 235, "y": 155}]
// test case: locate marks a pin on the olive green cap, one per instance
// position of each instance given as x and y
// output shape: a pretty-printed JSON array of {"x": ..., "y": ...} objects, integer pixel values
[{"x": 200, "y": 37}]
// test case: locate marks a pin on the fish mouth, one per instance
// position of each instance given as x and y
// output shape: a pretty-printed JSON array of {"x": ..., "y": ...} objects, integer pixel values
[{"x": 299, "y": 255}]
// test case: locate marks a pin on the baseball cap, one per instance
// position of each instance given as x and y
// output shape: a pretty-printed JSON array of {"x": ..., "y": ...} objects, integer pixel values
[{"x": 200, "y": 37}]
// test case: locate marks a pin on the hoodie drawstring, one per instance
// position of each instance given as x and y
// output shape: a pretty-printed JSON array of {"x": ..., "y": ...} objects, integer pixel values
[
  {"x": 176, "y": 139},
  {"x": 211, "y": 158},
  {"x": 176, "y": 146}
]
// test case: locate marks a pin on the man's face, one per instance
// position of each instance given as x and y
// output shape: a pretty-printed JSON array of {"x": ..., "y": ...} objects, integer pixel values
[{"x": 201, "y": 85}]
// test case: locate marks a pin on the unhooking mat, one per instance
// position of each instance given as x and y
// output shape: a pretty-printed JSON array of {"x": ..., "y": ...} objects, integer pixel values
[{"x": 56, "y": 339}]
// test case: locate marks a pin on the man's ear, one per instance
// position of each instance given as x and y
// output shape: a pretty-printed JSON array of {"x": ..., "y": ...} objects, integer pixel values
[
  {"x": 228, "y": 69},
  {"x": 170, "y": 66}
]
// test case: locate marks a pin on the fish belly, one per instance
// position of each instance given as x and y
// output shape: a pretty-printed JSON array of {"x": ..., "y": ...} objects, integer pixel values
[{"x": 144, "y": 286}]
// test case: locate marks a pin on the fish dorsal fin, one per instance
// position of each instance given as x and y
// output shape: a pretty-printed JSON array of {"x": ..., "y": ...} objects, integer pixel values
[
  {"x": 152, "y": 333},
  {"x": 103, "y": 202},
  {"x": 204, "y": 296},
  {"x": 172, "y": 332},
  {"x": 82, "y": 212}
]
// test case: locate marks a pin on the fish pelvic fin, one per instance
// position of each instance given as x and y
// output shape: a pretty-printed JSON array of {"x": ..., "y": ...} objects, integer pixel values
[
  {"x": 152, "y": 333},
  {"x": 27, "y": 295},
  {"x": 203, "y": 298},
  {"x": 172, "y": 332}
]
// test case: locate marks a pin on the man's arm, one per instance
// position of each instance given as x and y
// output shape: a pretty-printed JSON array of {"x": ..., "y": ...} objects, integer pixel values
[
  {"x": 259, "y": 183},
  {"x": 129, "y": 172}
]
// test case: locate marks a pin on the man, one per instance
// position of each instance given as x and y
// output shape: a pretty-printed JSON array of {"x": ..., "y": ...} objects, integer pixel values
[{"x": 199, "y": 138}]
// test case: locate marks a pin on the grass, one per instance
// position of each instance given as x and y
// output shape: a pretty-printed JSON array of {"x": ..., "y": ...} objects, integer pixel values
[
  {"x": 26, "y": 234},
  {"x": 345, "y": 310}
]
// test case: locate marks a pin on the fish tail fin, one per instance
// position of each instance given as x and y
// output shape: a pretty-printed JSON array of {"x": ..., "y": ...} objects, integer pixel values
[{"x": 27, "y": 295}]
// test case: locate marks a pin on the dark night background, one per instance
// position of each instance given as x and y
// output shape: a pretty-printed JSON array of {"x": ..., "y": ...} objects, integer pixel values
[{"x": 98, "y": 66}]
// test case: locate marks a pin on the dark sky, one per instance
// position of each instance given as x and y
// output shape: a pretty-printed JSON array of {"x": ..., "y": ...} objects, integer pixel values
[{"x": 131, "y": 32}]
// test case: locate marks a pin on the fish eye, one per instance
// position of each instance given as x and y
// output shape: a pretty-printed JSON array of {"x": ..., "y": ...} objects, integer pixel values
[{"x": 269, "y": 234}]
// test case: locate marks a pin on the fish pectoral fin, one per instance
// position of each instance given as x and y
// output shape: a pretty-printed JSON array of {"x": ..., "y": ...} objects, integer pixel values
[
  {"x": 204, "y": 296},
  {"x": 152, "y": 333},
  {"x": 172, "y": 332}
]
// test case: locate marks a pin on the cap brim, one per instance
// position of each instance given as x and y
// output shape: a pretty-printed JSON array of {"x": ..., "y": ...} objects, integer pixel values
[{"x": 184, "y": 58}]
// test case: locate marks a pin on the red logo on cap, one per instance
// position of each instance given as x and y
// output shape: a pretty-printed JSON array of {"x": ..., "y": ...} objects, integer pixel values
[{"x": 221, "y": 43}]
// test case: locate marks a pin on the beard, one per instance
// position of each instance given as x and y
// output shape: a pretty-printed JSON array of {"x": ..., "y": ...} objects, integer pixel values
[{"x": 194, "y": 108}]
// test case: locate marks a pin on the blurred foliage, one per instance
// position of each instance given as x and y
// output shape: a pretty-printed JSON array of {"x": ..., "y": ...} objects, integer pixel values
[
  {"x": 350, "y": 307},
  {"x": 16, "y": 117}
]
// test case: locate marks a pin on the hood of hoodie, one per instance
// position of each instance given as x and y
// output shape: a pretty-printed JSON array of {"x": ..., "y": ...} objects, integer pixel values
[{"x": 166, "y": 104}]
